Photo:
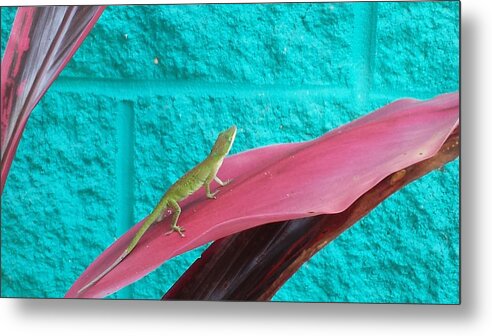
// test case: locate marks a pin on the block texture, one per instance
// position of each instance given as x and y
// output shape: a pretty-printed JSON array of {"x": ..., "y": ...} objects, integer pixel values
[{"x": 144, "y": 97}]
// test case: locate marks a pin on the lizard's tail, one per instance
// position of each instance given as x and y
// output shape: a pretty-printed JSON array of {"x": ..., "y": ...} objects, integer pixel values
[
  {"x": 106, "y": 271},
  {"x": 148, "y": 222}
]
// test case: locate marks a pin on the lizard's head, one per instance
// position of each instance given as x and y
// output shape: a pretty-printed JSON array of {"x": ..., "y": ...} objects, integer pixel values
[{"x": 224, "y": 141}]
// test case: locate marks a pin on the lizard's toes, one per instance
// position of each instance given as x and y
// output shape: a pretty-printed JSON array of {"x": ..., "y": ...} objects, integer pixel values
[
  {"x": 180, "y": 230},
  {"x": 177, "y": 229}
]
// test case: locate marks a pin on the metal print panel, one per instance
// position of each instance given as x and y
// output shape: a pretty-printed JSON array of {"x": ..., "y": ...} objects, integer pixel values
[{"x": 291, "y": 152}]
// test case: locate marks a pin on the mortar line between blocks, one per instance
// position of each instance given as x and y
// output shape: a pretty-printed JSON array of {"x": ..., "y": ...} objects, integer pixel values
[
  {"x": 125, "y": 171},
  {"x": 363, "y": 50},
  {"x": 132, "y": 89}
]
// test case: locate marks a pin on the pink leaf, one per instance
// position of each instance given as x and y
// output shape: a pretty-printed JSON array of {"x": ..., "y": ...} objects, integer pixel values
[
  {"x": 287, "y": 181},
  {"x": 42, "y": 41}
]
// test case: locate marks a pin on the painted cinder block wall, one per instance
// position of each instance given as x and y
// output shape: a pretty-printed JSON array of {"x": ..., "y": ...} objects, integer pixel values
[{"x": 149, "y": 89}]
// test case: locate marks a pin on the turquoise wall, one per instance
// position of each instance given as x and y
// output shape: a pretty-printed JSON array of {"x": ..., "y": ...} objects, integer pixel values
[{"x": 147, "y": 92}]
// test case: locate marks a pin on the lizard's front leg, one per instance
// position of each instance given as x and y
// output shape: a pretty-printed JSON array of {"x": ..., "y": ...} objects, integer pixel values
[
  {"x": 220, "y": 182},
  {"x": 207, "y": 189},
  {"x": 176, "y": 212}
]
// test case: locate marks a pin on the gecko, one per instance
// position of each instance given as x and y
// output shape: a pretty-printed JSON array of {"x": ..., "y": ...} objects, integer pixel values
[{"x": 201, "y": 175}]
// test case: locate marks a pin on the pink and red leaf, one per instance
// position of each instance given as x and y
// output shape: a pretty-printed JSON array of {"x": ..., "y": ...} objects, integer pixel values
[
  {"x": 288, "y": 181},
  {"x": 42, "y": 41},
  {"x": 253, "y": 264}
]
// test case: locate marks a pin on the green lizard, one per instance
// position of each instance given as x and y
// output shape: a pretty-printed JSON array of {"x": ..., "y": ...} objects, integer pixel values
[{"x": 201, "y": 175}]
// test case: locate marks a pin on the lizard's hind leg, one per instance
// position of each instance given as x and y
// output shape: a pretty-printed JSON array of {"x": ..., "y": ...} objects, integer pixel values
[{"x": 176, "y": 212}]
